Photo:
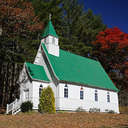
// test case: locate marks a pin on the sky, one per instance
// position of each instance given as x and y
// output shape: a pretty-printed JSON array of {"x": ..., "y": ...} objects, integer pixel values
[{"x": 113, "y": 12}]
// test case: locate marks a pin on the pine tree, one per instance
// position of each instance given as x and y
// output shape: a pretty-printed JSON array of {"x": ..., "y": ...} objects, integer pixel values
[
  {"x": 20, "y": 28},
  {"x": 79, "y": 28}
]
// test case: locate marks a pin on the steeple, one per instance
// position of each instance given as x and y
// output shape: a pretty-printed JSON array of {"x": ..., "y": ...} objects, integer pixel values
[
  {"x": 50, "y": 39},
  {"x": 49, "y": 30}
]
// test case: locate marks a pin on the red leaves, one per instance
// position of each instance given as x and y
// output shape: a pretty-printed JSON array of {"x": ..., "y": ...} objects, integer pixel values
[
  {"x": 112, "y": 36},
  {"x": 111, "y": 48}
]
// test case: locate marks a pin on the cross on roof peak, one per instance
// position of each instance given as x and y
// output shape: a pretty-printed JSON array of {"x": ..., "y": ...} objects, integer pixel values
[{"x": 50, "y": 16}]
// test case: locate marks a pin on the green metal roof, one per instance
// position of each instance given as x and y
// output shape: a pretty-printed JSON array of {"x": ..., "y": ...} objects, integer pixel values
[
  {"x": 49, "y": 30},
  {"x": 37, "y": 72},
  {"x": 78, "y": 69}
]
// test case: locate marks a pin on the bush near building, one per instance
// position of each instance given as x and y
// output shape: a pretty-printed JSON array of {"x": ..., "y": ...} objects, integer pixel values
[
  {"x": 47, "y": 101},
  {"x": 26, "y": 106}
]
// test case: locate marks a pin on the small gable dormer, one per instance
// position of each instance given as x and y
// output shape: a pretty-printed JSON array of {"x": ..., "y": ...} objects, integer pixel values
[{"x": 50, "y": 39}]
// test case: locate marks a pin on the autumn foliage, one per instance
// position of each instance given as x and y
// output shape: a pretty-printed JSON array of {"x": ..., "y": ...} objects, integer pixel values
[
  {"x": 18, "y": 16},
  {"x": 111, "y": 49},
  {"x": 20, "y": 27},
  {"x": 111, "y": 37}
]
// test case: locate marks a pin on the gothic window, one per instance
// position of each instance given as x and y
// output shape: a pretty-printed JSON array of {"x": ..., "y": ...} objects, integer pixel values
[
  {"x": 66, "y": 91},
  {"x": 40, "y": 89},
  {"x": 108, "y": 97},
  {"x": 81, "y": 94},
  {"x": 96, "y": 95}
]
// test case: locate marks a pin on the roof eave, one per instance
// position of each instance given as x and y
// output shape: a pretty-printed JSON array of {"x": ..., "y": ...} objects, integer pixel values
[
  {"x": 86, "y": 85},
  {"x": 40, "y": 80},
  {"x": 44, "y": 36}
]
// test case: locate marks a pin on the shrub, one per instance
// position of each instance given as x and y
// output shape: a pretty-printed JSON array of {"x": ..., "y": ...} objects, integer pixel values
[
  {"x": 47, "y": 101},
  {"x": 94, "y": 110},
  {"x": 111, "y": 111},
  {"x": 80, "y": 109},
  {"x": 26, "y": 106}
]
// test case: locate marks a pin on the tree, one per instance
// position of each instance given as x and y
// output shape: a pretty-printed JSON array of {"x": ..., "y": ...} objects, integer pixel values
[
  {"x": 45, "y": 7},
  {"x": 111, "y": 49},
  {"x": 20, "y": 28},
  {"x": 80, "y": 28},
  {"x": 75, "y": 26},
  {"x": 47, "y": 101}
]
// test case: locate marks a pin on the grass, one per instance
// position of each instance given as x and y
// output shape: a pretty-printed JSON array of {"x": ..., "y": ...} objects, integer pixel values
[{"x": 64, "y": 120}]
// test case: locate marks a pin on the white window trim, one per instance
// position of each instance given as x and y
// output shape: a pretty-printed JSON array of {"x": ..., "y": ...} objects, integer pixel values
[{"x": 66, "y": 87}]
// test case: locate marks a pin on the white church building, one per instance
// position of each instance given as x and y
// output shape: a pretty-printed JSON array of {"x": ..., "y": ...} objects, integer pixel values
[{"x": 77, "y": 82}]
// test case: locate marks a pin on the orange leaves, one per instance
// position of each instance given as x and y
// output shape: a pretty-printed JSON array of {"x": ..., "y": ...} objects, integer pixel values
[
  {"x": 9, "y": 2},
  {"x": 112, "y": 36},
  {"x": 17, "y": 17}
]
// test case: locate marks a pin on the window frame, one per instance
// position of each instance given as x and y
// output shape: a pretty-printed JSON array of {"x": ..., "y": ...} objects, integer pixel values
[
  {"x": 96, "y": 95},
  {"x": 108, "y": 97},
  {"x": 81, "y": 94},
  {"x": 40, "y": 89},
  {"x": 66, "y": 91}
]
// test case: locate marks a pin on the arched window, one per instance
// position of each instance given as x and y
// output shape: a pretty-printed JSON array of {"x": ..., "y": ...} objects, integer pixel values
[
  {"x": 81, "y": 93},
  {"x": 96, "y": 95},
  {"x": 40, "y": 89},
  {"x": 66, "y": 91},
  {"x": 108, "y": 97}
]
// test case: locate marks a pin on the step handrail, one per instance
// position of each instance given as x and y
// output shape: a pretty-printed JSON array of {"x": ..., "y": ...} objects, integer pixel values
[{"x": 13, "y": 107}]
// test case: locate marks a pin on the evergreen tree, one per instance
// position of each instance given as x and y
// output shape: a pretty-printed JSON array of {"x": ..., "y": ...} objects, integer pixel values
[
  {"x": 80, "y": 28},
  {"x": 20, "y": 27},
  {"x": 47, "y": 101},
  {"x": 45, "y": 7},
  {"x": 22, "y": 31},
  {"x": 76, "y": 27}
]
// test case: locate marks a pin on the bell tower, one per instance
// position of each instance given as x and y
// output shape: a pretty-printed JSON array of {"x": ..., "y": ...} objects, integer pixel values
[{"x": 50, "y": 39}]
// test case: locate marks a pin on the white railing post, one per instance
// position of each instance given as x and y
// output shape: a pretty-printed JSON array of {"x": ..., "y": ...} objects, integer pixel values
[
  {"x": 12, "y": 108},
  {"x": 7, "y": 109}
]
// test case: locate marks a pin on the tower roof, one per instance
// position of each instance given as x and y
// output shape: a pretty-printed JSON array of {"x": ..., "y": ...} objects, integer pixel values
[{"x": 49, "y": 30}]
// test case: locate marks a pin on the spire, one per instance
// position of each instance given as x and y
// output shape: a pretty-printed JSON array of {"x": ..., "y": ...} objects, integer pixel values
[{"x": 49, "y": 30}]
